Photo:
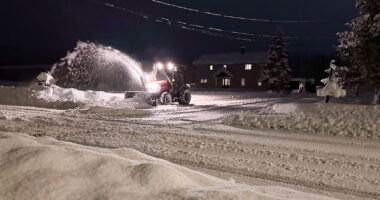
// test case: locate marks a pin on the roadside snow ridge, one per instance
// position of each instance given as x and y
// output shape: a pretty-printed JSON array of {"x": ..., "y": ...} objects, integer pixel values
[{"x": 44, "y": 168}]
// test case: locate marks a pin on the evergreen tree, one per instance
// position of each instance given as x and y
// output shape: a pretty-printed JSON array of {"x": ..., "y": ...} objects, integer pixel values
[
  {"x": 277, "y": 70},
  {"x": 360, "y": 46},
  {"x": 333, "y": 83},
  {"x": 352, "y": 78}
]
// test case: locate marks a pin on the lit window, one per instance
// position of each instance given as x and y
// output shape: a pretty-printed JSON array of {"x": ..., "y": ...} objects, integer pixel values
[
  {"x": 243, "y": 82},
  {"x": 225, "y": 66},
  {"x": 302, "y": 85},
  {"x": 248, "y": 66},
  {"x": 211, "y": 67},
  {"x": 203, "y": 81},
  {"x": 226, "y": 82},
  {"x": 260, "y": 84}
]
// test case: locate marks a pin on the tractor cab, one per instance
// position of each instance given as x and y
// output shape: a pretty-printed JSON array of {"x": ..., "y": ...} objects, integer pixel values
[{"x": 167, "y": 85}]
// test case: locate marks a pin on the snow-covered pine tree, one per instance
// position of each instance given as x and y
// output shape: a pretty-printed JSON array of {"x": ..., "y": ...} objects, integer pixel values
[
  {"x": 277, "y": 70},
  {"x": 360, "y": 46},
  {"x": 352, "y": 78},
  {"x": 333, "y": 83}
]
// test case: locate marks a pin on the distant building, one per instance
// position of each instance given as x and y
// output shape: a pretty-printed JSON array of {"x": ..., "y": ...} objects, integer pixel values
[
  {"x": 303, "y": 84},
  {"x": 231, "y": 70},
  {"x": 15, "y": 75}
]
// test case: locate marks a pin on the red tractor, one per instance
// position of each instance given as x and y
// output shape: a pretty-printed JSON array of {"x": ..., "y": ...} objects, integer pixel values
[{"x": 166, "y": 86}]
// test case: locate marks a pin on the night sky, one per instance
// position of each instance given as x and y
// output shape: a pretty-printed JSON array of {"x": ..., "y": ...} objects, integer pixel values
[{"x": 41, "y": 31}]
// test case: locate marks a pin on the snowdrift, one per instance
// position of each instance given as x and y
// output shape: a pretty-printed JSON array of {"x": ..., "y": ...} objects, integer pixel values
[
  {"x": 25, "y": 96},
  {"x": 44, "y": 168},
  {"x": 67, "y": 98},
  {"x": 314, "y": 118}
]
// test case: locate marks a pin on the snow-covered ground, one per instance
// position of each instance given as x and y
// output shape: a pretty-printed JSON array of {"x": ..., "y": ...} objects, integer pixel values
[
  {"x": 44, "y": 168},
  {"x": 314, "y": 118},
  {"x": 324, "y": 149}
]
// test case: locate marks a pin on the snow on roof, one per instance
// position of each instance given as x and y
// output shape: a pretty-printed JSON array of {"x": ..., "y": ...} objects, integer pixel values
[{"x": 232, "y": 58}]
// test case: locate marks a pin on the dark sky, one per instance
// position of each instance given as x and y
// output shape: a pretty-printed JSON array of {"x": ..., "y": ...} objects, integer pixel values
[{"x": 41, "y": 31}]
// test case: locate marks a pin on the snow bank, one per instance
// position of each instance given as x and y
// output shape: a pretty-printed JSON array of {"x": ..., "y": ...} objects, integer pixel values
[
  {"x": 44, "y": 168},
  {"x": 314, "y": 118},
  {"x": 66, "y": 98},
  {"x": 285, "y": 108},
  {"x": 25, "y": 96}
]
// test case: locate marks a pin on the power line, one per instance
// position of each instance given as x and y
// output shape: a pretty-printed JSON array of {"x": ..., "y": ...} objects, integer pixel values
[
  {"x": 213, "y": 31},
  {"x": 174, "y": 23},
  {"x": 194, "y": 27},
  {"x": 234, "y": 17}
]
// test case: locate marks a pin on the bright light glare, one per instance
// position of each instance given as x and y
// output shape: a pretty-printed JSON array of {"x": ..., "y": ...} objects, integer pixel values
[
  {"x": 148, "y": 77},
  {"x": 170, "y": 66},
  {"x": 153, "y": 87},
  {"x": 159, "y": 65}
]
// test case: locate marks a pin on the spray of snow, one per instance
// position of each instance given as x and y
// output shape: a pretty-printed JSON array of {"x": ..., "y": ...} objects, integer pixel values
[{"x": 96, "y": 67}]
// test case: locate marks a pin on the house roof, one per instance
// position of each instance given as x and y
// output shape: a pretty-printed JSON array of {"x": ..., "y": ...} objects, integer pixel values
[
  {"x": 223, "y": 72},
  {"x": 231, "y": 58}
]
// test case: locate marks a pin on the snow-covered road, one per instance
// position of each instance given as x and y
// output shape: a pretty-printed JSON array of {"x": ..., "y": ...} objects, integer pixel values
[{"x": 198, "y": 137}]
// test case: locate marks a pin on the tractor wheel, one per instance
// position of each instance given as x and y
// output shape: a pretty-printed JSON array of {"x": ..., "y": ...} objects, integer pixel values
[
  {"x": 166, "y": 98},
  {"x": 152, "y": 102},
  {"x": 185, "y": 99}
]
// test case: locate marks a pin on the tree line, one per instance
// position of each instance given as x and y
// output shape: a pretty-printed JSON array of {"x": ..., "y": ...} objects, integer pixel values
[{"x": 358, "y": 51}]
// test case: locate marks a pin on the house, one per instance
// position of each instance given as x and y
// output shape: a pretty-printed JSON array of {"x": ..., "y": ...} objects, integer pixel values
[
  {"x": 231, "y": 70},
  {"x": 303, "y": 84}
]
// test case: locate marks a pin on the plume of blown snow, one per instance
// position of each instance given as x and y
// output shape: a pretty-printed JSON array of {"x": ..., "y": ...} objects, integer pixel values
[{"x": 95, "y": 67}]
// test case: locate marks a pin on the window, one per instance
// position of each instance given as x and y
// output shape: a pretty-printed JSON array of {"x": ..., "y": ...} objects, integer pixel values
[
  {"x": 225, "y": 66},
  {"x": 203, "y": 81},
  {"x": 211, "y": 67},
  {"x": 260, "y": 84},
  {"x": 243, "y": 82},
  {"x": 226, "y": 82},
  {"x": 248, "y": 66}
]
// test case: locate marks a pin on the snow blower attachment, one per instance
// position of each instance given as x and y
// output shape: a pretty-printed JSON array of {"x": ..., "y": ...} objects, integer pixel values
[{"x": 165, "y": 85}]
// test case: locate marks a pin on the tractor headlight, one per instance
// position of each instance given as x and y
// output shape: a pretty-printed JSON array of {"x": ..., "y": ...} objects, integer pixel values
[
  {"x": 159, "y": 66},
  {"x": 170, "y": 66}
]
